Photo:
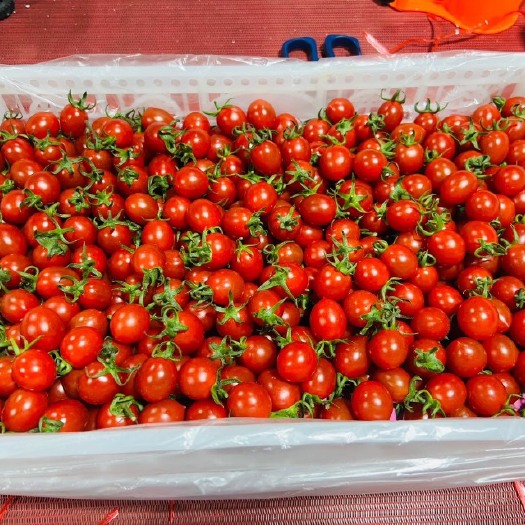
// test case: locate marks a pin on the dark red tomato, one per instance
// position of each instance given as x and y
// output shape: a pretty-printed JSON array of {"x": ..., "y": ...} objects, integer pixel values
[
  {"x": 196, "y": 119},
  {"x": 438, "y": 170},
  {"x": 12, "y": 240},
  {"x": 403, "y": 215},
  {"x": 410, "y": 158},
  {"x": 466, "y": 357},
  {"x": 448, "y": 247},
  {"x": 156, "y": 379},
  {"x": 425, "y": 278},
  {"x": 510, "y": 383},
  {"x": 323, "y": 382},
  {"x": 371, "y": 274},
  {"x": 72, "y": 414},
  {"x": 339, "y": 108},
  {"x": 260, "y": 354},
  {"x": 249, "y": 400},
  {"x": 147, "y": 257},
  {"x": 10, "y": 266},
  {"x": 165, "y": 411},
  {"x": 235, "y": 374},
  {"x": 73, "y": 118},
  {"x": 13, "y": 208},
  {"x": 318, "y": 209},
  {"x": 297, "y": 362},
  {"x": 81, "y": 346},
  {"x": 357, "y": 304},
  {"x": 41, "y": 124},
  {"x": 505, "y": 288},
  {"x": 371, "y": 401},
  {"x": 486, "y": 395},
  {"x": 260, "y": 197},
  {"x": 266, "y": 158},
  {"x": 337, "y": 410},
  {"x": 34, "y": 370},
  {"x": 400, "y": 261},
  {"x": 189, "y": 331},
  {"x": 328, "y": 320},
  {"x": 519, "y": 370},
  {"x": 517, "y": 328},
  {"x": 477, "y": 318},
  {"x": 509, "y": 180},
  {"x": 197, "y": 376},
  {"x": 502, "y": 353},
  {"x": 431, "y": 323},
  {"x": 129, "y": 323},
  {"x": 205, "y": 409},
  {"x": 410, "y": 298},
  {"x": 108, "y": 416},
  {"x": 43, "y": 327},
  {"x": 427, "y": 357},
  {"x": 283, "y": 394},
  {"x": 513, "y": 262},
  {"x": 330, "y": 283},
  {"x": 19, "y": 149},
  {"x": 336, "y": 163},
  {"x": 174, "y": 210},
  {"x": 141, "y": 208},
  {"x": 15, "y": 304},
  {"x": 223, "y": 191},
  {"x": 7, "y": 384},
  {"x": 351, "y": 357},
  {"x": 457, "y": 188},
  {"x": 96, "y": 294},
  {"x": 284, "y": 223},
  {"x": 369, "y": 165},
  {"x": 225, "y": 283},
  {"x": 295, "y": 149},
  {"x": 23, "y": 409},
  {"x": 261, "y": 114},
  {"x": 190, "y": 182},
  {"x": 482, "y": 205},
  {"x": 475, "y": 233},
  {"x": 203, "y": 214},
  {"x": 237, "y": 321},
  {"x": 229, "y": 118},
  {"x": 388, "y": 349},
  {"x": 445, "y": 297},
  {"x": 51, "y": 278},
  {"x": 391, "y": 110},
  {"x": 495, "y": 144},
  {"x": 449, "y": 390},
  {"x": 248, "y": 262},
  {"x": 198, "y": 141},
  {"x": 396, "y": 380},
  {"x": 220, "y": 145},
  {"x": 13, "y": 124},
  {"x": 96, "y": 386},
  {"x": 315, "y": 129}
]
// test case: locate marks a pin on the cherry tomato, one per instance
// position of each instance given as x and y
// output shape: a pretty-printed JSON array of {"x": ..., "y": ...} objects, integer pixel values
[{"x": 371, "y": 401}]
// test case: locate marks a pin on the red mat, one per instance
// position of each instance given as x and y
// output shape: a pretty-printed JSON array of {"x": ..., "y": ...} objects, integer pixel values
[
  {"x": 47, "y": 29},
  {"x": 492, "y": 505}
]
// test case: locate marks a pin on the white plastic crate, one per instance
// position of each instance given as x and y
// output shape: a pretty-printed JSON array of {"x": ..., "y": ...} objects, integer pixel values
[
  {"x": 189, "y": 83},
  {"x": 249, "y": 459}
]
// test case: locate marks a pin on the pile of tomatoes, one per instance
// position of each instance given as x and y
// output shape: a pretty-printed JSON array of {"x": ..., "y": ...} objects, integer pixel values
[{"x": 157, "y": 268}]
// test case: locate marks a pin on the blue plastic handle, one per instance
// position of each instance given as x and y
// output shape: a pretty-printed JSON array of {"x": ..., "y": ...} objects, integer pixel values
[
  {"x": 350, "y": 43},
  {"x": 306, "y": 44}
]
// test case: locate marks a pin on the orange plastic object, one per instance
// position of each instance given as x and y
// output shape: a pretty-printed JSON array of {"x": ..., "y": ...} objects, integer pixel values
[{"x": 476, "y": 16}]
